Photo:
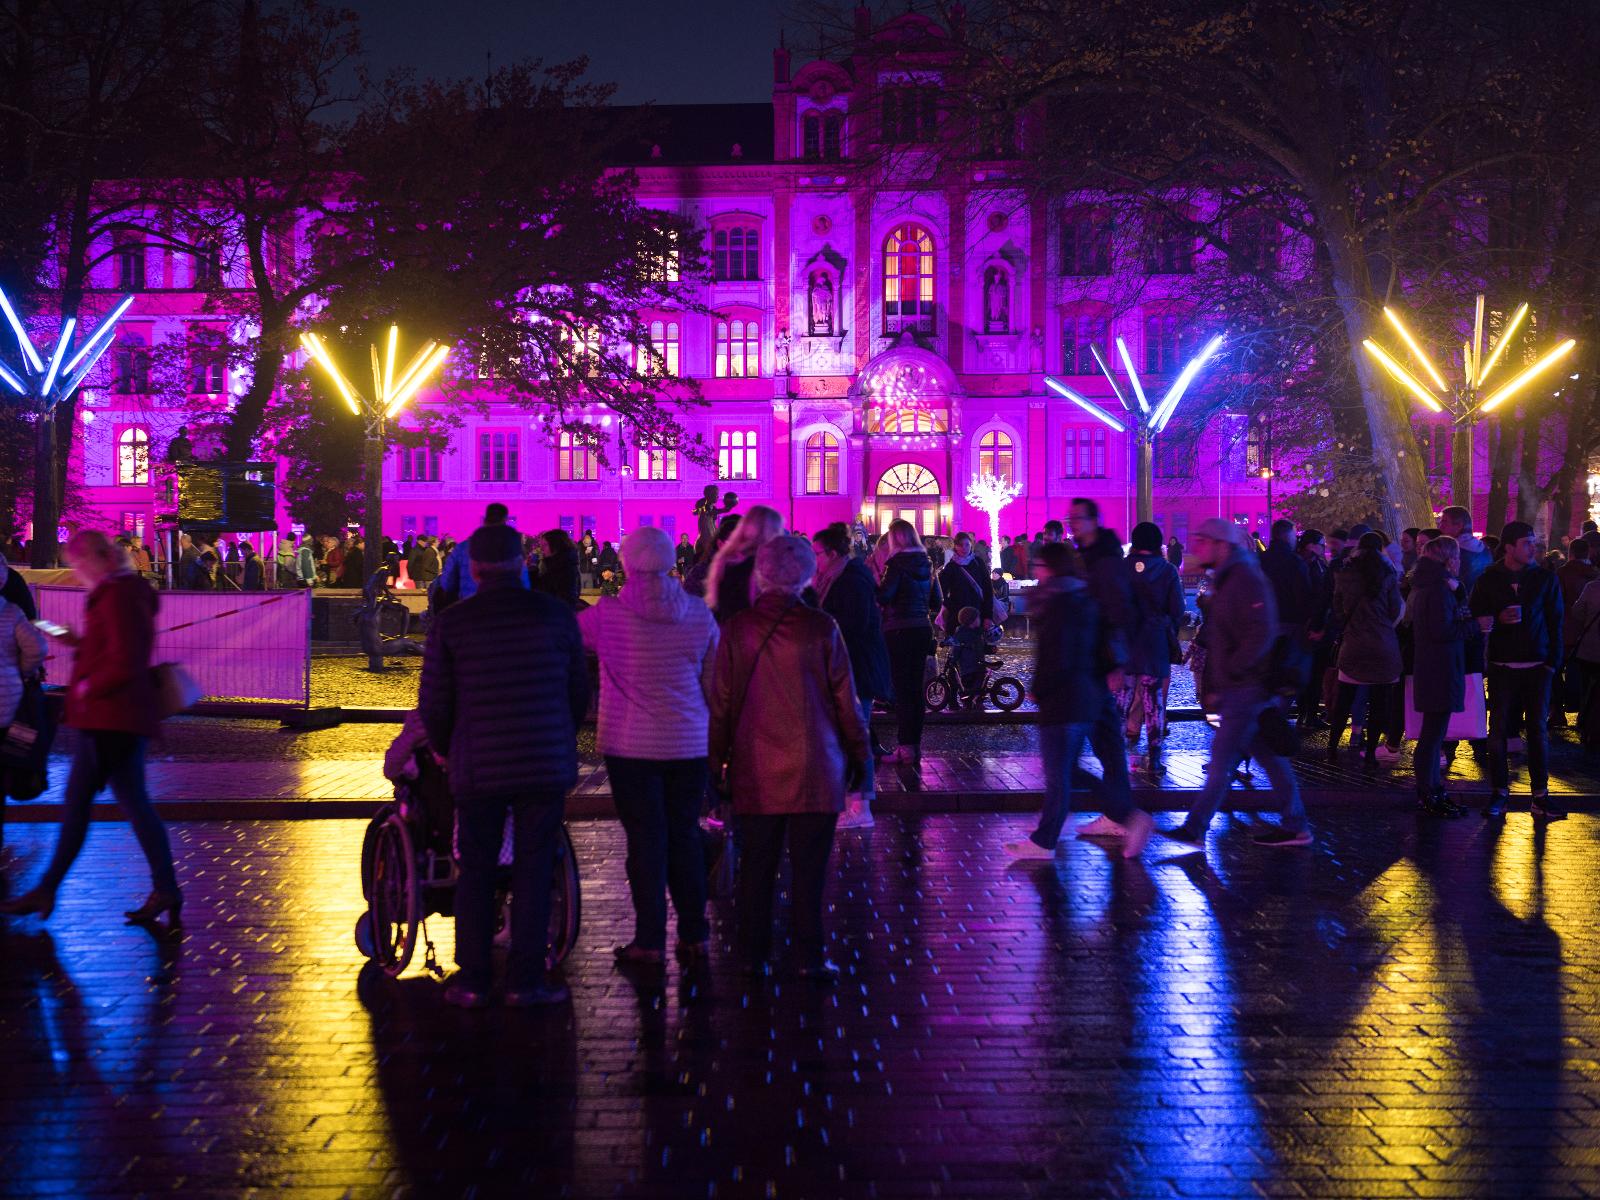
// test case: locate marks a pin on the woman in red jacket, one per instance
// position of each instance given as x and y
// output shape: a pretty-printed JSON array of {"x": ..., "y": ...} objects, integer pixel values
[{"x": 112, "y": 702}]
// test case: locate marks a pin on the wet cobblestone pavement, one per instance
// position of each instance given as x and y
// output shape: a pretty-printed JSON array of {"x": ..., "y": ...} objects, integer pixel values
[{"x": 1407, "y": 1009}]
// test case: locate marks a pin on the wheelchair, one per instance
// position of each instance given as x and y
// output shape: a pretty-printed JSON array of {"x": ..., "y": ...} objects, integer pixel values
[{"x": 409, "y": 870}]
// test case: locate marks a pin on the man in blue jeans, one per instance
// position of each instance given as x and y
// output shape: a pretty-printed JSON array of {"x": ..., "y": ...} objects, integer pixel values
[
  {"x": 1076, "y": 703},
  {"x": 1241, "y": 625},
  {"x": 504, "y": 685}
]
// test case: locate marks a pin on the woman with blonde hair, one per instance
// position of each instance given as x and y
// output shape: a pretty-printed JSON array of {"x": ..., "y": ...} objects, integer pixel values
[
  {"x": 728, "y": 584},
  {"x": 909, "y": 596}
]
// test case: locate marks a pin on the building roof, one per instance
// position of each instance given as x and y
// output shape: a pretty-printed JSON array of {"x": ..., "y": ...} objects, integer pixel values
[{"x": 694, "y": 134}]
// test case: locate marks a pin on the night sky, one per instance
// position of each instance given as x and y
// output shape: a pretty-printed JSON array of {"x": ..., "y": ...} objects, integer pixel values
[{"x": 668, "y": 51}]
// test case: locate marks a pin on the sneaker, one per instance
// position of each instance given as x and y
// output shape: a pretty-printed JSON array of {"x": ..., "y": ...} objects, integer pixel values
[
  {"x": 1185, "y": 835},
  {"x": 635, "y": 955},
  {"x": 1388, "y": 755},
  {"x": 1101, "y": 826},
  {"x": 1028, "y": 848},
  {"x": 1139, "y": 829},
  {"x": 459, "y": 995},
  {"x": 1543, "y": 810},
  {"x": 855, "y": 816},
  {"x": 1277, "y": 835},
  {"x": 1496, "y": 808}
]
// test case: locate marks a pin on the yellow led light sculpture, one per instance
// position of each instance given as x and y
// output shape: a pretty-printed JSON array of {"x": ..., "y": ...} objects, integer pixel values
[{"x": 389, "y": 394}]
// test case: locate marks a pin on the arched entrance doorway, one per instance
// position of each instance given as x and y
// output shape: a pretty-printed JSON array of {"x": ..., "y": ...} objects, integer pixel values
[{"x": 910, "y": 492}]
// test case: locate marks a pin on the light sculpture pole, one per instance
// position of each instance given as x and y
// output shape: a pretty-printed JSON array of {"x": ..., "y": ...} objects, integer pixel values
[
  {"x": 1469, "y": 401},
  {"x": 989, "y": 494},
  {"x": 390, "y": 393},
  {"x": 1147, "y": 421},
  {"x": 45, "y": 385}
]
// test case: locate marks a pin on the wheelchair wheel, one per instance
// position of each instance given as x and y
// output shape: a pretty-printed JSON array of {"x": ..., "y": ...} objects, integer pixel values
[
  {"x": 1006, "y": 693},
  {"x": 566, "y": 901},
  {"x": 395, "y": 900},
  {"x": 937, "y": 693}
]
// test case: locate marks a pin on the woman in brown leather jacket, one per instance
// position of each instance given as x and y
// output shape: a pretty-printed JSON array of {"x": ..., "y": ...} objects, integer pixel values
[{"x": 787, "y": 734}]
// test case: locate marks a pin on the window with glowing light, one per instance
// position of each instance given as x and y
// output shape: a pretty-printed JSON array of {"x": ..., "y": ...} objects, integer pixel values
[
  {"x": 1084, "y": 452},
  {"x": 580, "y": 350},
  {"x": 736, "y": 454},
  {"x": 417, "y": 464},
  {"x": 997, "y": 455},
  {"x": 822, "y": 464},
  {"x": 576, "y": 462},
  {"x": 657, "y": 463},
  {"x": 736, "y": 252},
  {"x": 908, "y": 280},
  {"x": 908, "y": 479},
  {"x": 1164, "y": 340},
  {"x": 662, "y": 260},
  {"x": 497, "y": 455},
  {"x": 1085, "y": 242},
  {"x": 737, "y": 345},
  {"x": 662, "y": 356},
  {"x": 907, "y": 420},
  {"x": 1079, "y": 333},
  {"x": 133, "y": 457}
]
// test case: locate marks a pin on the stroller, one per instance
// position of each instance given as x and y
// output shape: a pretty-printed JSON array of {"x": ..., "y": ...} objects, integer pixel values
[{"x": 409, "y": 868}]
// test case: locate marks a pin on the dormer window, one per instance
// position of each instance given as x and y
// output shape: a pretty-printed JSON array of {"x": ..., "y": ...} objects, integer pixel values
[
  {"x": 822, "y": 136},
  {"x": 910, "y": 114}
]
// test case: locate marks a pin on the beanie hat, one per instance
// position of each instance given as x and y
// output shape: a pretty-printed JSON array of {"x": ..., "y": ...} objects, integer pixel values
[
  {"x": 787, "y": 563},
  {"x": 648, "y": 551}
]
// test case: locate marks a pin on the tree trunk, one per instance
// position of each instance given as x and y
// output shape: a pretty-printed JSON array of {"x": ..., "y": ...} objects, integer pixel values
[
  {"x": 45, "y": 548},
  {"x": 1406, "y": 499},
  {"x": 1502, "y": 452},
  {"x": 244, "y": 424},
  {"x": 1530, "y": 496},
  {"x": 372, "y": 479}
]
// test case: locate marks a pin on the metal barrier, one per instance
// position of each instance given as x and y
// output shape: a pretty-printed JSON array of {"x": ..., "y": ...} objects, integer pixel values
[{"x": 249, "y": 646}]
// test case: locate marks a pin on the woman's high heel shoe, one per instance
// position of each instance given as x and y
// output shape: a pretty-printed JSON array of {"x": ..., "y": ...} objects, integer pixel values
[
  {"x": 155, "y": 904},
  {"x": 37, "y": 902}
]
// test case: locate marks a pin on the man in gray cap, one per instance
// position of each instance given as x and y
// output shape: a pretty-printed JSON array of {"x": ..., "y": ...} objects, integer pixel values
[{"x": 1241, "y": 624}]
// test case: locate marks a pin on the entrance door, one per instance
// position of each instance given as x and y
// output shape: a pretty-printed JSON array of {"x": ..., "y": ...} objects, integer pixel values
[
  {"x": 923, "y": 515},
  {"x": 909, "y": 492}
]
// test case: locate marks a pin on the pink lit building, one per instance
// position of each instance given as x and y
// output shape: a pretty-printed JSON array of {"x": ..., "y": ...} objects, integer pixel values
[{"x": 870, "y": 350}]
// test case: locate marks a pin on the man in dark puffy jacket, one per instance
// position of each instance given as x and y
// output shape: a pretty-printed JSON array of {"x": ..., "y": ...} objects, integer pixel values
[
  {"x": 1518, "y": 604},
  {"x": 1240, "y": 627},
  {"x": 504, "y": 685},
  {"x": 1074, "y": 701}
]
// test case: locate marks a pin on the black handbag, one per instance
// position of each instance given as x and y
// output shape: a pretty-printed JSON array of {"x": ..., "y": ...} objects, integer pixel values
[{"x": 25, "y": 751}]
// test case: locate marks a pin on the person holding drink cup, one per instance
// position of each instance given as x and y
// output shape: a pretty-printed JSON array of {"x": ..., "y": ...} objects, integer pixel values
[{"x": 1518, "y": 606}]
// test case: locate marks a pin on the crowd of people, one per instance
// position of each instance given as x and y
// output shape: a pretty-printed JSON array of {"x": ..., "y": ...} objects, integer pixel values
[{"x": 741, "y": 672}]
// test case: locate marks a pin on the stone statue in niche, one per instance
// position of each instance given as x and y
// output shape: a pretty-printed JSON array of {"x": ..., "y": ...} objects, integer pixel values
[
  {"x": 782, "y": 345},
  {"x": 996, "y": 301},
  {"x": 820, "y": 304}
]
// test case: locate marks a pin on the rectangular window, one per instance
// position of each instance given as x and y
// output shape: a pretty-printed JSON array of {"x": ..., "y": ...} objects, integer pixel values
[
  {"x": 1084, "y": 455},
  {"x": 1085, "y": 243},
  {"x": 1079, "y": 332},
  {"x": 207, "y": 265},
  {"x": 658, "y": 464},
  {"x": 1235, "y": 448},
  {"x": 417, "y": 464},
  {"x": 208, "y": 368},
  {"x": 1436, "y": 445},
  {"x": 910, "y": 114},
  {"x": 1163, "y": 343},
  {"x": 576, "y": 461},
  {"x": 662, "y": 263},
  {"x": 1173, "y": 458},
  {"x": 568, "y": 525},
  {"x": 131, "y": 264},
  {"x": 663, "y": 356},
  {"x": 430, "y": 526},
  {"x": 669, "y": 525},
  {"x": 736, "y": 454},
  {"x": 738, "y": 347},
  {"x": 736, "y": 252},
  {"x": 497, "y": 456},
  {"x": 1169, "y": 248}
]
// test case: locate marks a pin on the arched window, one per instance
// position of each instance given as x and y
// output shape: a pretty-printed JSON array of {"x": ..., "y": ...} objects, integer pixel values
[
  {"x": 738, "y": 346},
  {"x": 822, "y": 465},
  {"x": 133, "y": 457},
  {"x": 908, "y": 479},
  {"x": 736, "y": 251},
  {"x": 908, "y": 420},
  {"x": 996, "y": 299},
  {"x": 996, "y": 455},
  {"x": 576, "y": 462},
  {"x": 908, "y": 280}
]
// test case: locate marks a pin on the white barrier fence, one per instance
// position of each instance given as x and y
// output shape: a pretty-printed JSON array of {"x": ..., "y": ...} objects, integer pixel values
[{"x": 237, "y": 645}]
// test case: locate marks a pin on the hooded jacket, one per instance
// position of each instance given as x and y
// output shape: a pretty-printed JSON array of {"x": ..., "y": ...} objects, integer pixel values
[
  {"x": 1441, "y": 628},
  {"x": 1369, "y": 648},
  {"x": 657, "y": 648},
  {"x": 1240, "y": 627},
  {"x": 909, "y": 593},
  {"x": 852, "y": 602},
  {"x": 1067, "y": 681}
]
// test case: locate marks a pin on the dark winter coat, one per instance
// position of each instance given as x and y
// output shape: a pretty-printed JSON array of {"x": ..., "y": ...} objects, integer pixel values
[
  {"x": 1240, "y": 628},
  {"x": 112, "y": 686},
  {"x": 966, "y": 587},
  {"x": 733, "y": 589},
  {"x": 1158, "y": 605},
  {"x": 1537, "y": 637},
  {"x": 853, "y": 603},
  {"x": 15, "y": 590},
  {"x": 1441, "y": 626},
  {"x": 1291, "y": 587},
  {"x": 784, "y": 716},
  {"x": 1369, "y": 647},
  {"x": 1068, "y": 684},
  {"x": 909, "y": 594},
  {"x": 1573, "y": 578},
  {"x": 1107, "y": 574},
  {"x": 504, "y": 685},
  {"x": 558, "y": 577}
]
